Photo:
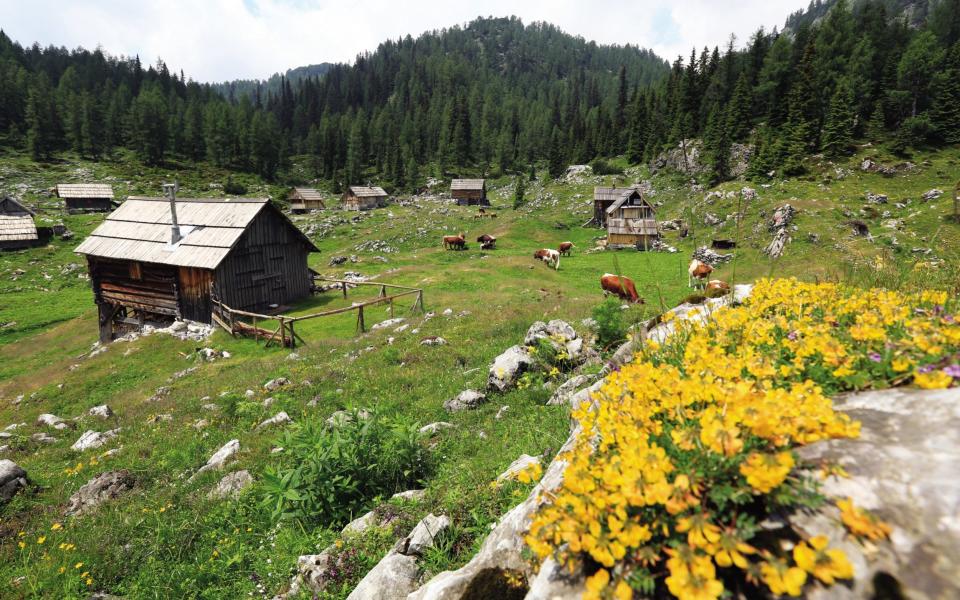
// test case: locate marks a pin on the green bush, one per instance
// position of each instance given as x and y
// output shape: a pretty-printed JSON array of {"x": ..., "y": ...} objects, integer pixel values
[
  {"x": 329, "y": 474},
  {"x": 602, "y": 167},
  {"x": 234, "y": 188},
  {"x": 611, "y": 326}
]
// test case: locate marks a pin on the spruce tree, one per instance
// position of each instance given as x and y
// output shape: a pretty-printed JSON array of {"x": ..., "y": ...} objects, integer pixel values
[
  {"x": 519, "y": 191},
  {"x": 876, "y": 126},
  {"x": 838, "y": 128},
  {"x": 717, "y": 145},
  {"x": 557, "y": 166},
  {"x": 740, "y": 110},
  {"x": 945, "y": 112},
  {"x": 355, "y": 154},
  {"x": 41, "y": 118}
]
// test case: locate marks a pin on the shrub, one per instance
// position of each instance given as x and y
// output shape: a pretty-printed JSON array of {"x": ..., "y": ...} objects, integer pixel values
[
  {"x": 611, "y": 325},
  {"x": 330, "y": 473},
  {"x": 601, "y": 166},
  {"x": 234, "y": 188},
  {"x": 689, "y": 448}
]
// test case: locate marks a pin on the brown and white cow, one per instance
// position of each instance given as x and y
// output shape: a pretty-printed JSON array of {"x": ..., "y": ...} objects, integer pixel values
[
  {"x": 565, "y": 248},
  {"x": 622, "y": 287},
  {"x": 487, "y": 242},
  {"x": 551, "y": 257},
  {"x": 699, "y": 271},
  {"x": 718, "y": 285},
  {"x": 455, "y": 242}
]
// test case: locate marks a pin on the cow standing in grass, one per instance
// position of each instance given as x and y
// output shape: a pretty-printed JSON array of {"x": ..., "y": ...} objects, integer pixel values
[
  {"x": 565, "y": 248},
  {"x": 551, "y": 257},
  {"x": 455, "y": 242},
  {"x": 699, "y": 271},
  {"x": 621, "y": 287},
  {"x": 487, "y": 242}
]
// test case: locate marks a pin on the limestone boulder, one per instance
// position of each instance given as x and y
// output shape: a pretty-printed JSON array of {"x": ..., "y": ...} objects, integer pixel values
[
  {"x": 465, "y": 400},
  {"x": 12, "y": 479},
  {"x": 508, "y": 367},
  {"x": 103, "y": 487},
  {"x": 232, "y": 485}
]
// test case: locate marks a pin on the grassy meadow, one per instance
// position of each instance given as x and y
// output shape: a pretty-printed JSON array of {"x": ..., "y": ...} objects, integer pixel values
[{"x": 167, "y": 539}]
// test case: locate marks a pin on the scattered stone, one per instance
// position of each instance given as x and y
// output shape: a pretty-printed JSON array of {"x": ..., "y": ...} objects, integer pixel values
[
  {"x": 447, "y": 312},
  {"x": 164, "y": 418},
  {"x": 388, "y": 323},
  {"x": 103, "y": 487},
  {"x": 275, "y": 384},
  {"x": 43, "y": 438},
  {"x": 782, "y": 217},
  {"x": 182, "y": 374},
  {"x": 52, "y": 421},
  {"x": 410, "y": 495},
  {"x": 201, "y": 424},
  {"x": 434, "y": 428},
  {"x": 94, "y": 439},
  {"x": 278, "y": 419},
  {"x": 748, "y": 194},
  {"x": 342, "y": 417},
  {"x": 567, "y": 389},
  {"x": 433, "y": 340},
  {"x": 776, "y": 247},
  {"x": 521, "y": 464},
  {"x": 293, "y": 356},
  {"x": 813, "y": 238},
  {"x": 161, "y": 393},
  {"x": 508, "y": 367},
  {"x": 876, "y": 198},
  {"x": 503, "y": 410},
  {"x": 12, "y": 480},
  {"x": 231, "y": 485},
  {"x": 268, "y": 401},
  {"x": 711, "y": 220},
  {"x": 102, "y": 412},
  {"x": 220, "y": 457},
  {"x": 465, "y": 400},
  {"x": 706, "y": 255},
  {"x": 932, "y": 194},
  {"x": 211, "y": 407}
]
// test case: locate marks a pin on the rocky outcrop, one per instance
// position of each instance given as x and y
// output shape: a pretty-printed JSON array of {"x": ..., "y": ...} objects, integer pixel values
[
  {"x": 465, "y": 400},
  {"x": 103, "y": 487},
  {"x": 560, "y": 335},
  {"x": 516, "y": 467},
  {"x": 101, "y": 412},
  {"x": 52, "y": 421},
  {"x": 508, "y": 367},
  {"x": 903, "y": 468},
  {"x": 396, "y": 575},
  {"x": 706, "y": 255},
  {"x": 232, "y": 485},
  {"x": 220, "y": 457},
  {"x": 567, "y": 389},
  {"x": 276, "y": 384},
  {"x": 12, "y": 480},
  {"x": 94, "y": 439},
  {"x": 281, "y": 418}
]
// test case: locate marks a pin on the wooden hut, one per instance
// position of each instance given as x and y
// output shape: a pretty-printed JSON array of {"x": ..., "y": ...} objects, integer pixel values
[
  {"x": 469, "y": 192},
  {"x": 154, "y": 258},
  {"x": 360, "y": 197},
  {"x": 603, "y": 198},
  {"x": 86, "y": 197},
  {"x": 631, "y": 222},
  {"x": 17, "y": 229},
  {"x": 303, "y": 199}
]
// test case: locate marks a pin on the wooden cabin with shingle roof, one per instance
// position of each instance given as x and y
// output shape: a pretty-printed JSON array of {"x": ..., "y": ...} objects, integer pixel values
[
  {"x": 17, "y": 229},
  {"x": 86, "y": 197},
  {"x": 631, "y": 221},
  {"x": 469, "y": 192},
  {"x": 603, "y": 198},
  {"x": 303, "y": 199},
  {"x": 152, "y": 260},
  {"x": 362, "y": 197}
]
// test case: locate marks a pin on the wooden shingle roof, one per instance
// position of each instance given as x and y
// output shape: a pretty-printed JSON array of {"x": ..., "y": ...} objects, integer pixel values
[
  {"x": 140, "y": 230},
  {"x": 467, "y": 184},
  {"x": 17, "y": 228},
  {"x": 609, "y": 194},
  {"x": 362, "y": 191},
  {"x": 85, "y": 190},
  {"x": 307, "y": 194},
  {"x": 626, "y": 195}
]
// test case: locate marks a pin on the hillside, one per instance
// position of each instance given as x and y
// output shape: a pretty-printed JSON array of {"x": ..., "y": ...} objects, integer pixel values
[
  {"x": 250, "y": 87},
  {"x": 174, "y": 408}
]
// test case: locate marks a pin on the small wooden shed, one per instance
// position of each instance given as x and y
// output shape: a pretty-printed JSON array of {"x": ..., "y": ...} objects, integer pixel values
[
  {"x": 603, "y": 198},
  {"x": 149, "y": 261},
  {"x": 17, "y": 229},
  {"x": 631, "y": 221},
  {"x": 86, "y": 197},
  {"x": 303, "y": 199},
  {"x": 361, "y": 197},
  {"x": 469, "y": 192}
]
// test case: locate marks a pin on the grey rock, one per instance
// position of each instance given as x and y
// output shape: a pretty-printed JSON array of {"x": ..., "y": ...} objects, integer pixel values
[
  {"x": 876, "y": 198},
  {"x": 423, "y": 535},
  {"x": 410, "y": 495},
  {"x": 553, "y": 582},
  {"x": 52, "y": 421},
  {"x": 102, "y": 412},
  {"x": 94, "y": 439},
  {"x": 563, "y": 393},
  {"x": 278, "y": 419},
  {"x": 508, "y": 367},
  {"x": 43, "y": 438},
  {"x": 103, "y": 487},
  {"x": 220, "y": 457},
  {"x": 932, "y": 194},
  {"x": 522, "y": 463},
  {"x": 342, "y": 417},
  {"x": 12, "y": 479},
  {"x": 315, "y": 570},
  {"x": 360, "y": 524},
  {"x": 711, "y": 220},
  {"x": 388, "y": 323},
  {"x": 232, "y": 485},
  {"x": 434, "y": 428},
  {"x": 465, "y": 400},
  {"x": 433, "y": 340},
  {"x": 275, "y": 384}
]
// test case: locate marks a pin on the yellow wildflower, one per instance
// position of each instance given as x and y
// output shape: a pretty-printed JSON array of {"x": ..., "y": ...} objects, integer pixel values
[
  {"x": 934, "y": 380},
  {"x": 860, "y": 522},
  {"x": 782, "y": 579},
  {"x": 826, "y": 564},
  {"x": 766, "y": 471}
]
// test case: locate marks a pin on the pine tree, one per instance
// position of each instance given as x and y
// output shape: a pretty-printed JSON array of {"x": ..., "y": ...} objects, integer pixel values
[
  {"x": 413, "y": 175},
  {"x": 838, "y": 128},
  {"x": 92, "y": 130},
  {"x": 761, "y": 161},
  {"x": 557, "y": 165},
  {"x": 355, "y": 154},
  {"x": 41, "y": 119},
  {"x": 717, "y": 145},
  {"x": 149, "y": 125},
  {"x": 876, "y": 126},
  {"x": 740, "y": 110},
  {"x": 916, "y": 68},
  {"x": 945, "y": 112},
  {"x": 519, "y": 191}
]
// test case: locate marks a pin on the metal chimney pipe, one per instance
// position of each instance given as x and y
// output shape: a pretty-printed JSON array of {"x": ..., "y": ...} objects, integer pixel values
[{"x": 170, "y": 190}]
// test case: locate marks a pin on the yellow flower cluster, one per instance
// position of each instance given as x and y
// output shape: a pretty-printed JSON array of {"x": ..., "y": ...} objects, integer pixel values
[
  {"x": 688, "y": 447},
  {"x": 861, "y": 523}
]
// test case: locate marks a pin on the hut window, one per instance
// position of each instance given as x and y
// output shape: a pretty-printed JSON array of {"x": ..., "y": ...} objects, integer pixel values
[{"x": 135, "y": 271}]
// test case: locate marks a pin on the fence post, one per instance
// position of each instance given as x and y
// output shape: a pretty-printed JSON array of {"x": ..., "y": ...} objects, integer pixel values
[
  {"x": 391, "y": 308},
  {"x": 343, "y": 285},
  {"x": 360, "y": 319},
  {"x": 256, "y": 331}
]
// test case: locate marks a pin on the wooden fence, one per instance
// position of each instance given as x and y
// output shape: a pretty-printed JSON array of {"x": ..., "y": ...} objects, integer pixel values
[{"x": 285, "y": 333}]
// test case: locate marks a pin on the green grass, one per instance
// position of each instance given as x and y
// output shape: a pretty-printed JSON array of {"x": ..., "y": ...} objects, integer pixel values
[{"x": 198, "y": 548}]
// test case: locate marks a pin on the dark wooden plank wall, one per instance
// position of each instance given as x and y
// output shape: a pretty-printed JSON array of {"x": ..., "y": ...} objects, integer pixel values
[
  {"x": 195, "y": 288},
  {"x": 471, "y": 197},
  {"x": 267, "y": 266},
  {"x": 88, "y": 204},
  {"x": 143, "y": 286}
]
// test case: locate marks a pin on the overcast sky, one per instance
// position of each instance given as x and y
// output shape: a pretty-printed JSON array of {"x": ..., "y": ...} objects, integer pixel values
[{"x": 216, "y": 40}]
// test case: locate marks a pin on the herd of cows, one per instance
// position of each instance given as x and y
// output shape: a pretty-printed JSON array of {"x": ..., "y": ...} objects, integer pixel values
[{"x": 618, "y": 285}]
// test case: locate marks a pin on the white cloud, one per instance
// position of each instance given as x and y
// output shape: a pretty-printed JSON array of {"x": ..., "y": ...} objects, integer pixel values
[{"x": 213, "y": 40}]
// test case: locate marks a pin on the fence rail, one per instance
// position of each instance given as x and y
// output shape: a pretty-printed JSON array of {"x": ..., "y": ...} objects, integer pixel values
[{"x": 285, "y": 334}]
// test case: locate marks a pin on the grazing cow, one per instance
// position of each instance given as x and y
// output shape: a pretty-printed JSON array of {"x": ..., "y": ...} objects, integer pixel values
[
  {"x": 622, "y": 287},
  {"x": 565, "y": 248},
  {"x": 487, "y": 242},
  {"x": 455, "y": 242},
  {"x": 722, "y": 287},
  {"x": 551, "y": 257},
  {"x": 698, "y": 272}
]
